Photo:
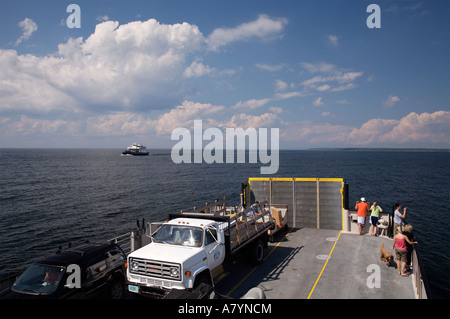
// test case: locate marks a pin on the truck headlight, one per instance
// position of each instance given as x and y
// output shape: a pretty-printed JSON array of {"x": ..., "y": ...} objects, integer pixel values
[
  {"x": 134, "y": 265},
  {"x": 174, "y": 272}
]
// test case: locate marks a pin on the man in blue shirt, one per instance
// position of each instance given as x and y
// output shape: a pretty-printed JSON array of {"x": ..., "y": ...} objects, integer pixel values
[{"x": 399, "y": 217}]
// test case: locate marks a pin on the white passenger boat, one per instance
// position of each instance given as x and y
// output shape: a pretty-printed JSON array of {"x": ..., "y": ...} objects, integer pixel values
[{"x": 135, "y": 150}]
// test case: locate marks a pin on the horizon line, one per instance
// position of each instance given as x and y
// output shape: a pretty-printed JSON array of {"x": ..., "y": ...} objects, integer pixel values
[{"x": 286, "y": 149}]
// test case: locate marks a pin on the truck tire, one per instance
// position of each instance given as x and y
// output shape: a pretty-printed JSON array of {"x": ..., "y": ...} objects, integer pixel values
[
  {"x": 204, "y": 278},
  {"x": 257, "y": 252}
]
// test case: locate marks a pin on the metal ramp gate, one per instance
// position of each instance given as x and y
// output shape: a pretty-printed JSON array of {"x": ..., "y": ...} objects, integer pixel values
[{"x": 312, "y": 202}]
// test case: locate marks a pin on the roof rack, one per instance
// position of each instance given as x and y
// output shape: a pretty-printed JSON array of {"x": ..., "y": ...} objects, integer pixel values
[{"x": 78, "y": 248}]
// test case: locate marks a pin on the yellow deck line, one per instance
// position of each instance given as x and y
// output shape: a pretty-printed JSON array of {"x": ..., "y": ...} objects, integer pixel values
[
  {"x": 265, "y": 258},
  {"x": 326, "y": 262}
]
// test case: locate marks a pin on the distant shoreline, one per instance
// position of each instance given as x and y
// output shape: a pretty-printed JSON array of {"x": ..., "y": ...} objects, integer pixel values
[{"x": 382, "y": 149}]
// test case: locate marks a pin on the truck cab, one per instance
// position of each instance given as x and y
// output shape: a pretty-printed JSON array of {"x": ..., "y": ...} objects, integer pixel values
[{"x": 182, "y": 254}]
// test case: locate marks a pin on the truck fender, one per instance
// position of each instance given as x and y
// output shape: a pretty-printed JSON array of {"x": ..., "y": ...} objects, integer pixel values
[
  {"x": 203, "y": 276},
  {"x": 199, "y": 272}
]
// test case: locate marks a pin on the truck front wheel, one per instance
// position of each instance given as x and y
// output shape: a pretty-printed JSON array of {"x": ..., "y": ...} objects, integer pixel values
[{"x": 203, "y": 278}]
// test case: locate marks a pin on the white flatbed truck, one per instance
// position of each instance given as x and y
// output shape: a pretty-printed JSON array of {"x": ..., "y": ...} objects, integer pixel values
[{"x": 189, "y": 248}]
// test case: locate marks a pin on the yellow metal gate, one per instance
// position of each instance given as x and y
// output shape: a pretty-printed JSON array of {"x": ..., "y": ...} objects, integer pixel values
[{"x": 312, "y": 202}]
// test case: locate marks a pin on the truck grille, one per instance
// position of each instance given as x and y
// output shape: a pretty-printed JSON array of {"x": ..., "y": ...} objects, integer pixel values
[{"x": 154, "y": 268}]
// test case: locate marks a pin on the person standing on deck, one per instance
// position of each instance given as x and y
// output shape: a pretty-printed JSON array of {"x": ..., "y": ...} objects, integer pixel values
[
  {"x": 362, "y": 207},
  {"x": 399, "y": 244},
  {"x": 374, "y": 216},
  {"x": 399, "y": 217},
  {"x": 407, "y": 231}
]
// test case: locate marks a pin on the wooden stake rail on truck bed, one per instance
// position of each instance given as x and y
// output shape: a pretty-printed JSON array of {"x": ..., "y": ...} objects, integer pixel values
[{"x": 241, "y": 226}]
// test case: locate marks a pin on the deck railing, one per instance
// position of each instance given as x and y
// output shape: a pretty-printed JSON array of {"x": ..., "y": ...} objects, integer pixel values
[
  {"x": 420, "y": 281},
  {"x": 133, "y": 240},
  {"x": 124, "y": 241}
]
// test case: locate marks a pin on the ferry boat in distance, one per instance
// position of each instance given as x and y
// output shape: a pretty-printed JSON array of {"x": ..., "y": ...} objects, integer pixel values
[{"x": 135, "y": 150}]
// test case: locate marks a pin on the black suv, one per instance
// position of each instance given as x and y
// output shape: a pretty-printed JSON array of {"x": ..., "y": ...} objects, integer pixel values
[{"x": 89, "y": 270}]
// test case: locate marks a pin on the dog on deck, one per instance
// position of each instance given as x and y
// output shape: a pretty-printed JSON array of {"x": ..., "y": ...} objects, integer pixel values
[{"x": 385, "y": 255}]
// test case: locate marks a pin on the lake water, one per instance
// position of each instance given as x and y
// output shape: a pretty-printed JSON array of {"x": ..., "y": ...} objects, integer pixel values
[{"x": 50, "y": 197}]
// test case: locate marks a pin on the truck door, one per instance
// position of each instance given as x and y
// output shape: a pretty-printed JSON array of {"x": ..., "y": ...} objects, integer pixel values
[{"x": 215, "y": 252}]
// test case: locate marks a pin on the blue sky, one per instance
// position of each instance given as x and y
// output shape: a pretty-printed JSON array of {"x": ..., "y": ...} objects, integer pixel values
[{"x": 137, "y": 70}]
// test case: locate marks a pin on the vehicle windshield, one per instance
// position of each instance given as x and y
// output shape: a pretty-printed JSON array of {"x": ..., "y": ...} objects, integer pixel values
[
  {"x": 179, "y": 235},
  {"x": 39, "y": 279}
]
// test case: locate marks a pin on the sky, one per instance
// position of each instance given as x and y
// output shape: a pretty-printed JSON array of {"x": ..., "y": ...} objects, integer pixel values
[{"x": 118, "y": 72}]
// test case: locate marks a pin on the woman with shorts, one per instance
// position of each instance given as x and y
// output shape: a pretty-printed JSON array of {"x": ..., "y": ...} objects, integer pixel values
[
  {"x": 399, "y": 244},
  {"x": 376, "y": 210}
]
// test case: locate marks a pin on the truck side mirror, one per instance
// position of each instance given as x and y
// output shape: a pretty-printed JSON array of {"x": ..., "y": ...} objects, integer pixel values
[
  {"x": 217, "y": 234},
  {"x": 220, "y": 237}
]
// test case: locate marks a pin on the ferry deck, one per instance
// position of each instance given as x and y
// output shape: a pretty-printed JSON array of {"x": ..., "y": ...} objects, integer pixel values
[{"x": 320, "y": 264}]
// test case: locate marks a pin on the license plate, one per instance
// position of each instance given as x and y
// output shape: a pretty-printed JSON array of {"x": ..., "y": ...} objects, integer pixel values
[{"x": 133, "y": 288}]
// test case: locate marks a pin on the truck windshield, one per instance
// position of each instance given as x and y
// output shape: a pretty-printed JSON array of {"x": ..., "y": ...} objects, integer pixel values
[
  {"x": 180, "y": 235},
  {"x": 39, "y": 279}
]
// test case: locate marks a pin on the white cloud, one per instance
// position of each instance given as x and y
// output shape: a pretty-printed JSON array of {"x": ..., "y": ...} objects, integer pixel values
[
  {"x": 288, "y": 95},
  {"x": 414, "y": 130},
  {"x": 28, "y": 27},
  {"x": 102, "y": 18},
  {"x": 333, "y": 40},
  {"x": 114, "y": 124},
  {"x": 197, "y": 69},
  {"x": 345, "y": 87},
  {"x": 27, "y": 126},
  {"x": 117, "y": 124},
  {"x": 391, "y": 101},
  {"x": 310, "y": 133},
  {"x": 432, "y": 128},
  {"x": 318, "y": 102},
  {"x": 183, "y": 116},
  {"x": 370, "y": 131},
  {"x": 325, "y": 87},
  {"x": 331, "y": 78},
  {"x": 424, "y": 130},
  {"x": 138, "y": 65},
  {"x": 270, "y": 68},
  {"x": 25, "y": 87},
  {"x": 264, "y": 27},
  {"x": 321, "y": 67},
  {"x": 327, "y": 78},
  {"x": 276, "y": 109},
  {"x": 339, "y": 78},
  {"x": 141, "y": 65},
  {"x": 280, "y": 85},
  {"x": 251, "y": 104},
  {"x": 256, "y": 121},
  {"x": 420, "y": 130}
]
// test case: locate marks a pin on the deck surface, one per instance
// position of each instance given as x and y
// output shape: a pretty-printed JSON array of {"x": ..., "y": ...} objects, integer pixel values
[{"x": 319, "y": 264}]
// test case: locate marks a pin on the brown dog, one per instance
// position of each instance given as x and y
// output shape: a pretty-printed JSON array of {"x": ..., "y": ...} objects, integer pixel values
[{"x": 385, "y": 255}]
